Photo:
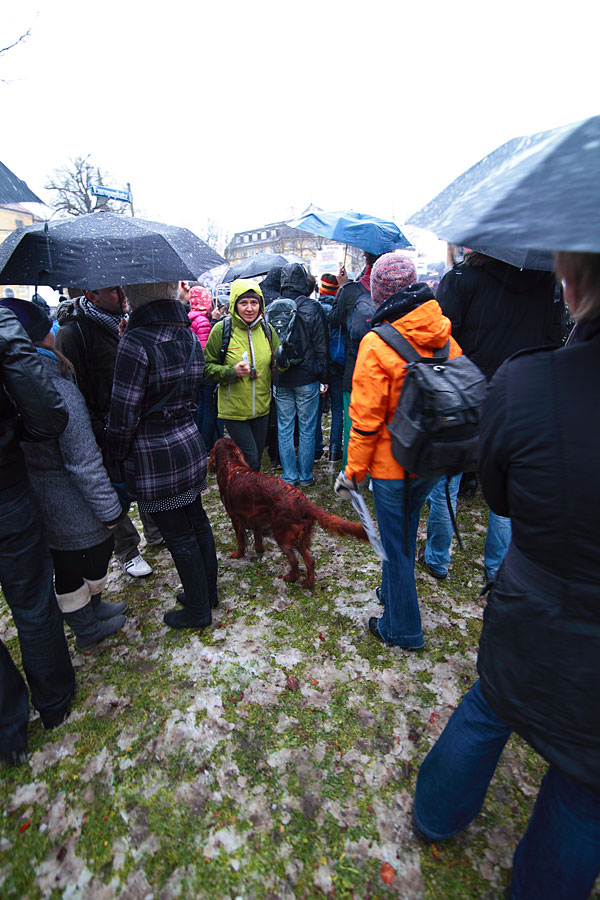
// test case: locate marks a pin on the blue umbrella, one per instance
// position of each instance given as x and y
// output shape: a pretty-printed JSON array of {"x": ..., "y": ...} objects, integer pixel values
[
  {"x": 355, "y": 229},
  {"x": 540, "y": 192}
]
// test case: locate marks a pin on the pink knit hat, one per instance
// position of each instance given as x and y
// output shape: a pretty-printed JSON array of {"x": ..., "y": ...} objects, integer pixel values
[
  {"x": 391, "y": 273},
  {"x": 200, "y": 299}
]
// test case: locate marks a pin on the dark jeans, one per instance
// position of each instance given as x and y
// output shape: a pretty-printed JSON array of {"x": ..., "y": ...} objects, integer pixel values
[
  {"x": 26, "y": 579},
  {"x": 336, "y": 435},
  {"x": 250, "y": 436},
  {"x": 14, "y": 706},
  {"x": 190, "y": 541},
  {"x": 209, "y": 426},
  {"x": 126, "y": 539},
  {"x": 72, "y": 566},
  {"x": 559, "y": 855}
]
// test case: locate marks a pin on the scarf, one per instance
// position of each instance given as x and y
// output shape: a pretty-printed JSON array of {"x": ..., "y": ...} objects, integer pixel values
[{"x": 109, "y": 320}]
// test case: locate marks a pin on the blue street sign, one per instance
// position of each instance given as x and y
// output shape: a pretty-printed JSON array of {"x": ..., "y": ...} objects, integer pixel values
[{"x": 98, "y": 190}]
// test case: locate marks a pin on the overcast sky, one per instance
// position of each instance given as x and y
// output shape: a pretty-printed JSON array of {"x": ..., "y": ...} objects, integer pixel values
[{"x": 246, "y": 112}]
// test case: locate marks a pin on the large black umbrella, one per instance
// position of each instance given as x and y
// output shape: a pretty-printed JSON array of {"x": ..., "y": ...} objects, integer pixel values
[
  {"x": 13, "y": 190},
  {"x": 102, "y": 249},
  {"x": 258, "y": 264},
  {"x": 539, "y": 193}
]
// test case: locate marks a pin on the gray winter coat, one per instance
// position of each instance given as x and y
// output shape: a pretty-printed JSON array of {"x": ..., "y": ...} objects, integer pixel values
[{"x": 67, "y": 475}]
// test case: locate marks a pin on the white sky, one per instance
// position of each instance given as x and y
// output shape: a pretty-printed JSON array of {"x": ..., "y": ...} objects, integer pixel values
[{"x": 246, "y": 112}]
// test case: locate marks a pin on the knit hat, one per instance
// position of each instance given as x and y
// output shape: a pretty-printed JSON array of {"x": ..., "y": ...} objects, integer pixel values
[
  {"x": 328, "y": 285},
  {"x": 34, "y": 320},
  {"x": 392, "y": 272},
  {"x": 200, "y": 299}
]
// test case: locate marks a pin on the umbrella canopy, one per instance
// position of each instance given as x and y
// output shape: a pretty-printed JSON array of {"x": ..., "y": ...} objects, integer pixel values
[
  {"x": 539, "y": 193},
  {"x": 356, "y": 229},
  {"x": 102, "y": 250},
  {"x": 259, "y": 264},
  {"x": 13, "y": 190}
]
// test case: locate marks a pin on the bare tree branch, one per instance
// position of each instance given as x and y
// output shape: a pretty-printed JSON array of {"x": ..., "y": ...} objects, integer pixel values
[
  {"x": 72, "y": 185},
  {"x": 18, "y": 41}
]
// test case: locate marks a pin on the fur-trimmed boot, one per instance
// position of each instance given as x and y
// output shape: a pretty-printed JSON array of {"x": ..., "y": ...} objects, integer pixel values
[
  {"x": 104, "y": 609},
  {"x": 79, "y": 615}
]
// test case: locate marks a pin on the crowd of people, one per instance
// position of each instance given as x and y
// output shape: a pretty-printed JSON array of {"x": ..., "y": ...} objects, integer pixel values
[{"x": 125, "y": 402}]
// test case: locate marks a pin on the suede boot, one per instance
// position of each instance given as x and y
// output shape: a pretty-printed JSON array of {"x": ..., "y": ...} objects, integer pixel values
[
  {"x": 89, "y": 630},
  {"x": 104, "y": 609}
]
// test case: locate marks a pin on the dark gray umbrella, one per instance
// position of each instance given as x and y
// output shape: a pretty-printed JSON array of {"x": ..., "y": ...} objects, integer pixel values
[
  {"x": 101, "y": 250},
  {"x": 539, "y": 193},
  {"x": 258, "y": 264},
  {"x": 13, "y": 190}
]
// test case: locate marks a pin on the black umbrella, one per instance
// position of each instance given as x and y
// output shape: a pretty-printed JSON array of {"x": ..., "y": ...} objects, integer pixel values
[
  {"x": 258, "y": 264},
  {"x": 101, "y": 250},
  {"x": 540, "y": 193},
  {"x": 13, "y": 190}
]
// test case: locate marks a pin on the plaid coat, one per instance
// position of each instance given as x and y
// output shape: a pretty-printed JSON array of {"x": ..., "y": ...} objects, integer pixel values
[{"x": 163, "y": 454}]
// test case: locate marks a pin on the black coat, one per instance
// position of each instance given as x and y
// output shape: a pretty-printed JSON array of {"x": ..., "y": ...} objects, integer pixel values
[
  {"x": 92, "y": 349},
  {"x": 540, "y": 644},
  {"x": 497, "y": 310},
  {"x": 30, "y": 407}
]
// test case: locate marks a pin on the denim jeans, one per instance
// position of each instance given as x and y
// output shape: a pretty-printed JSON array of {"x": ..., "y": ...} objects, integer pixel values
[
  {"x": 26, "y": 579},
  {"x": 559, "y": 855},
  {"x": 14, "y": 706},
  {"x": 498, "y": 538},
  {"x": 401, "y": 620},
  {"x": 439, "y": 526},
  {"x": 190, "y": 541},
  {"x": 301, "y": 401},
  {"x": 336, "y": 435}
]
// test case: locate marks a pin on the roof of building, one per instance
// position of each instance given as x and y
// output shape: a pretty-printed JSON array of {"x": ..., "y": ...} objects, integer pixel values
[{"x": 13, "y": 190}]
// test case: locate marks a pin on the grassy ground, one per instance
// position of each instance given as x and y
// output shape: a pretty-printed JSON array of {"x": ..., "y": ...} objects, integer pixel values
[{"x": 272, "y": 756}]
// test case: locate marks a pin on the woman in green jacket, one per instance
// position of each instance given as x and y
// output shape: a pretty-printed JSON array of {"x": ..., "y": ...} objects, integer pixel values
[{"x": 244, "y": 370}]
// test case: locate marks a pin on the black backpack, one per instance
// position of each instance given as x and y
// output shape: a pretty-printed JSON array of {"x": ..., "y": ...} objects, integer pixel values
[
  {"x": 283, "y": 315},
  {"x": 435, "y": 428}
]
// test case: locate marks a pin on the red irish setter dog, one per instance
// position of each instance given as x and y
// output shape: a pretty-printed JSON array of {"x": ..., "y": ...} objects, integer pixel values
[{"x": 258, "y": 502}]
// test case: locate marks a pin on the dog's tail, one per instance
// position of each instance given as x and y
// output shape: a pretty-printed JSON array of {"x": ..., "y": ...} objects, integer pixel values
[{"x": 337, "y": 525}]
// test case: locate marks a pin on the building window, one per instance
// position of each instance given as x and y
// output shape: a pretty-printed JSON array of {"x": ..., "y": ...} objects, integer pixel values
[
  {"x": 273, "y": 233},
  {"x": 246, "y": 238},
  {"x": 263, "y": 235},
  {"x": 18, "y": 223}
]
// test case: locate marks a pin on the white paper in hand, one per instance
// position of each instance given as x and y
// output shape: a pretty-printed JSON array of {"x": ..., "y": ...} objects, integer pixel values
[{"x": 367, "y": 522}]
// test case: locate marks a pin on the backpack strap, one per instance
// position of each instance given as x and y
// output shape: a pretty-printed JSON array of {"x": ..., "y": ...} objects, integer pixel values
[
  {"x": 181, "y": 378},
  {"x": 404, "y": 348},
  {"x": 225, "y": 340}
]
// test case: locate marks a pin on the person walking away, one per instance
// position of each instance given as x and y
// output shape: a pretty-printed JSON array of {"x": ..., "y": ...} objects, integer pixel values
[
  {"x": 297, "y": 388},
  {"x": 376, "y": 386},
  {"x": 240, "y": 356},
  {"x": 152, "y": 431},
  {"x": 540, "y": 642},
  {"x": 31, "y": 409},
  {"x": 89, "y": 338}
]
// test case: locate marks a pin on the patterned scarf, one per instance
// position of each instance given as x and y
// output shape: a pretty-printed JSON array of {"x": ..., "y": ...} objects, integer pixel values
[{"x": 109, "y": 320}]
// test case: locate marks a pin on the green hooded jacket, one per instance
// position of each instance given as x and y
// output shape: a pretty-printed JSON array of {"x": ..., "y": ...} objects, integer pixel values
[{"x": 241, "y": 398}]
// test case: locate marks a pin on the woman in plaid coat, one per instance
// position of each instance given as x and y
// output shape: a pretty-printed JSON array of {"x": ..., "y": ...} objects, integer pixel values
[{"x": 152, "y": 429}]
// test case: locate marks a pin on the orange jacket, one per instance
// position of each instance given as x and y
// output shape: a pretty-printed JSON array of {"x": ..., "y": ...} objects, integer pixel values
[{"x": 376, "y": 385}]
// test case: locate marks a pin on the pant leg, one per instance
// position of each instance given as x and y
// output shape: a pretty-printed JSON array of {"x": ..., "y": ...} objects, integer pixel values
[
  {"x": 455, "y": 775},
  {"x": 400, "y": 623},
  {"x": 126, "y": 539},
  {"x": 439, "y": 525},
  {"x": 307, "y": 404},
  {"x": 336, "y": 437},
  {"x": 241, "y": 432},
  {"x": 206, "y": 543},
  {"x": 319, "y": 426},
  {"x": 559, "y": 854},
  {"x": 14, "y": 707},
  {"x": 178, "y": 529},
  {"x": 259, "y": 428},
  {"x": 151, "y": 529},
  {"x": 285, "y": 399},
  {"x": 26, "y": 579},
  {"x": 498, "y": 538},
  {"x": 347, "y": 425}
]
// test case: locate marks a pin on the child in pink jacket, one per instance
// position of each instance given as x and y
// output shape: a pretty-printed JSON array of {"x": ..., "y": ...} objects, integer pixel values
[{"x": 199, "y": 314}]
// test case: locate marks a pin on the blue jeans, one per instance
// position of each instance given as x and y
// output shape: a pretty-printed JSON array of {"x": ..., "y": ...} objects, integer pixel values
[
  {"x": 302, "y": 401},
  {"x": 497, "y": 539},
  {"x": 401, "y": 620},
  {"x": 439, "y": 525},
  {"x": 26, "y": 579},
  {"x": 559, "y": 855},
  {"x": 336, "y": 435}
]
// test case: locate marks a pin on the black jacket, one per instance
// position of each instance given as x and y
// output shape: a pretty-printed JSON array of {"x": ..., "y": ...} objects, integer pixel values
[
  {"x": 315, "y": 343},
  {"x": 344, "y": 303},
  {"x": 92, "y": 348},
  {"x": 540, "y": 643},
  {"x": 30, "y": 407},
  {"x": 497, "y": 310}
]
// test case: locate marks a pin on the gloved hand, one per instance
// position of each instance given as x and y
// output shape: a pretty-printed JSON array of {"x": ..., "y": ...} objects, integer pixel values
[
  {"x": 343, "y": 486},
  {"x": 281, "y": 356}
]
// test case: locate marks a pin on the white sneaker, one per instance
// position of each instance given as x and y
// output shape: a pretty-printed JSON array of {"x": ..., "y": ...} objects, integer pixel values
[{"x": 137, "y": 567}]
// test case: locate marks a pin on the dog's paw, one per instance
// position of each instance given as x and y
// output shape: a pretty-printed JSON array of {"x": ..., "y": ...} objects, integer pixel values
[{"x": 236, "y": 555}]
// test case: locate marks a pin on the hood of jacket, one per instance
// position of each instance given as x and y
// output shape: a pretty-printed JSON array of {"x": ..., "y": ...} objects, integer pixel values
[
  {"x": 425, "y": 325},
  {"x": 159, "y": 312},
  {"x": 239, "y": 287},
  {"x": 294, "y": 281}
]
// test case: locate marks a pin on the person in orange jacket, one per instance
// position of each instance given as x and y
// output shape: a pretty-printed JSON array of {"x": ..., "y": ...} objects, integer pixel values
[{"x": 376, "y": 385}]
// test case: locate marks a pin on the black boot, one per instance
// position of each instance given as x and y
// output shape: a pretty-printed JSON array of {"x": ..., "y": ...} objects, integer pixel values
[
  {"x": 104, "y": 609},
  {"x": 213, "y": 603},
  {"x": 89, "y": 630},
  {"x": 188, "y": 617}
]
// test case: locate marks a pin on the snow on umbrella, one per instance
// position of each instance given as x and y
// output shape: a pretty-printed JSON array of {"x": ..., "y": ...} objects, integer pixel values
[
  {"x": 101, "y": 250},
  {"x": 259, "y": 264},
  {"x": 360, "y": 230},
  {"x": 540, "y": 192}
]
